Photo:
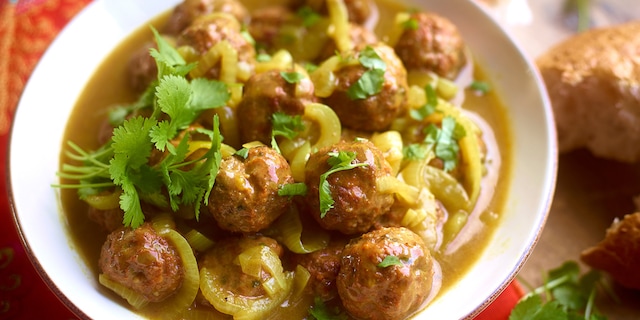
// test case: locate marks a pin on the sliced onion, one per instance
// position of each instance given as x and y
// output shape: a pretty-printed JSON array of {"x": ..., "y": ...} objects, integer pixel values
[
  {"x": 134, "y": 298},
  {"x": 185, "y": 296},
  {"x": 106, "y": 201},
  {"x": 288, "y": 230}
]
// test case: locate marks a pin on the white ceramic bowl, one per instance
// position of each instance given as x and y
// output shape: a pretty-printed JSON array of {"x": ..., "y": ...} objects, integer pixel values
[{"x": 65, "y": 68}]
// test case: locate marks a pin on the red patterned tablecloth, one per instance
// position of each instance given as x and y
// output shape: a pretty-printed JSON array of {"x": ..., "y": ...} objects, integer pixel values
[{"x": 27, "y": 27}]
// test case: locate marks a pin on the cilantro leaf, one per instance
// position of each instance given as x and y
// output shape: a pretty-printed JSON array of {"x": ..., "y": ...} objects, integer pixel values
[
  {"x": 207, "y": 94},
  {"x": 568, "y": 296},
  {"x": 389, "y": 261},
  {"x": 415, "y": 151},
  {"x": 532, "y": 309},
  {"x": 291, "y": 77},
  {"x": 371, "y": 81},
  {"x": 292, "y": 189},
  {"x": 410, "y": 24},
  {"x": 309, "y": 16},
  {"x": 244, "y": 153},
  {"x": 286, "y": 125},
  {"x": 428, "y": 108},
  {"x": 339, "y": 161},
  {"x": 370, "y": 59},
  {"x": 168, "y": 59},
  {"x": 480, "y": 87},
  {"x": 369, "y": 84},
  {"x": 444, "y": 141}
]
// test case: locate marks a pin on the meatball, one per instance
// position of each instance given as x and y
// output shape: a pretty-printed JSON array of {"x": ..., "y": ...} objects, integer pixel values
[
  {"x": 207, "y": 31},
  {"x": 433, "y": 45},
  {"x": 266, "y": 23},
  {"x": 189, "y": 10},
  {"x": 323, "y": 265},
  {"x": 142, "y": 69},
  {"x": 110, "y": 220},
  {"x": 277, "y": 28},
  {"x": 357, "y": 201},
  {"x": 395, "y": 289},
  {"x": 374, "y": 112},
  {"x": 245, "y": 196},
  {"x": 265, "y": 94},
  {"x": 143, "y": 261}
]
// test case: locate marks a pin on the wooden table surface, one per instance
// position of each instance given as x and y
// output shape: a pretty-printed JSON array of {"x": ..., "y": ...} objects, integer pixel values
[{"x": 590, "y": 193}]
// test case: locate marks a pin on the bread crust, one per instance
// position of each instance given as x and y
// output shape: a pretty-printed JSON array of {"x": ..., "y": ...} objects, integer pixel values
[
  {"x": 593, "y": 81},
  {"x": 619, "y": 252}
]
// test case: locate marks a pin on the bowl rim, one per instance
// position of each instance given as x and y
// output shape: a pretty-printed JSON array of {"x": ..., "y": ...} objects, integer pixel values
[{"x": 550, "y": 174}]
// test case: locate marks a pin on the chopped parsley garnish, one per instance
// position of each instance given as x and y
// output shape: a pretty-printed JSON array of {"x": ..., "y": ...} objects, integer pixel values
[
  {"x": 309, "y": 16},
  {"x": 286, "y": 125},
  {"x": 310, "y": 67},
  {"x": 320, "y": 311},
  {"x": 244, "y": 153},
  {"x": 291, "y": 77},
  {"x": 428, "y": 108},
  {"x": 126, "y": 156},
  {"x": 444, "y": 141},
  {"x": 410, "y": 24},
  {"x": 389, "y": 261},
  {"x": 339, "y": 161},
  {"x": 567, "y": 295},
  {"x": 370, "y": 83},
  {"x": 293, "y": 189},
  {"x": 415, "y": 151},
  {"x": 480, "y": 87},
  {"x": 263, "y": 57}
]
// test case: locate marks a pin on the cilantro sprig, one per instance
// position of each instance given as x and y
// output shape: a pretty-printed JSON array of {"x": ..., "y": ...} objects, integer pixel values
[
  {"x": 177, "y": 103},
  {"x": 565, "y": 295},
  {"x": 444, "y": 141},
  {"x": 370, "y": 83},
  {"x": 429, "y": 107},
  {"x": 389, "y": 261},
  {"x": 339, "y": 161}
]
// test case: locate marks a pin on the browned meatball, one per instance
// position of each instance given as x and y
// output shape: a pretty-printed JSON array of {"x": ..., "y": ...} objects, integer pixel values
[
  {"x": 110, "y": 220},
  {"x": 374, "y": 112},
  {"x": 142, "y": 69},
  {"x": 371, "y": 290},
  {"x": 355, "y": 193},
  {"x": 245, "y": 196},
  {"x": 323, "y": 265},
  {"x": 265, "y": 94},
  {"x": 207, "y": 31},
  {"x": 143, "y": 261},
  {"x": 189, "y": 10},
  {"x": 433, "y": 45},
  {"x": 266, "y": 23},
  {"x": 277, "y": 28}
]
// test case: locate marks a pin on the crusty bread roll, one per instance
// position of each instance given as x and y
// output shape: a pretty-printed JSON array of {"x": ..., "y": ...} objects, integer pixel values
[
  {"x": 593, "y": 80},
  {"x": 619, "y": 252}
]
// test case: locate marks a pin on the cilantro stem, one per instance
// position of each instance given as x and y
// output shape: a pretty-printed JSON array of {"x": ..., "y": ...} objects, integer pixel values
[
  {"x": 85, "y": 156},
  {"x": 590, "y": 304},
  {"x": 549, "y": 285},
  {"x": 88, "y": 185},
  {"x": 583, "y": 14}
]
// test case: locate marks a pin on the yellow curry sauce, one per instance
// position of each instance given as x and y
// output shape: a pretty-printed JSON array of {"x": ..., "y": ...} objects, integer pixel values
[{"x": 108, "y": 87}]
